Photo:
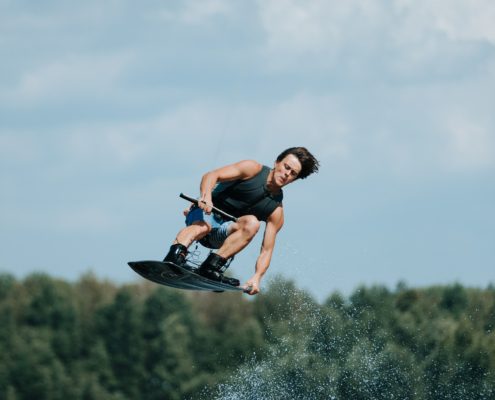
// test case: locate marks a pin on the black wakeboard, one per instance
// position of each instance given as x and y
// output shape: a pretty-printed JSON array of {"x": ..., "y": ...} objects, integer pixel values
[{"x": 170, "y": 274}]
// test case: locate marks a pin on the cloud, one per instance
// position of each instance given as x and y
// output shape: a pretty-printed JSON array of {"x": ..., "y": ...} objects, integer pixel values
[
  {"x": 458, "y": 19},
  {"x": 171, "y": 117},
  {"x": 317, "y": 122},
  {"x": 370, "y": 38},
  {"x": 196, "y": 133},
  {"x": 192, "y": 12},
  {"x": 470, "y": 144},
  {"x": 70, "y": 77},
  {"x": 196, "y": 12},
  {"x": 87, "y": 218},
  {"x": 17, "y": 149},
  {"x": 297, "y": 28}
]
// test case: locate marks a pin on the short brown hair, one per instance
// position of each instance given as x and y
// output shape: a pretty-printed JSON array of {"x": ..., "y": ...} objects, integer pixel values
[{"x": 308, "y": 162}]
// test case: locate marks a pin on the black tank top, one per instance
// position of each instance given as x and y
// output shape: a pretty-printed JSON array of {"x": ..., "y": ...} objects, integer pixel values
[{"x": 248, "y": 197}]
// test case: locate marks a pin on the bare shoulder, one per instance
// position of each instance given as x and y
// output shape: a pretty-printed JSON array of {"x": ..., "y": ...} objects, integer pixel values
[
  {"x": 249, "y": 168},
  {"x": 244, "y": 169}
]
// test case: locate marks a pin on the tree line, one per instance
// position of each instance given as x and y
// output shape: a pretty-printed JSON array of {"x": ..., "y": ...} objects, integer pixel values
[{"x": 93, "y": 339}]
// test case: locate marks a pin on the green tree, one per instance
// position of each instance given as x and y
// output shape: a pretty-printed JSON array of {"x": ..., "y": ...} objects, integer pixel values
[
  {"x": 120, "y": 327},
  {"x": 454, "y": 299}
]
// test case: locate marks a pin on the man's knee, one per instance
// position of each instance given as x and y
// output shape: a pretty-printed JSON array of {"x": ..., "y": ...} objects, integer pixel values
[
  {"x": 250, "y": 224},
  {"x": 201, "y": 229}
]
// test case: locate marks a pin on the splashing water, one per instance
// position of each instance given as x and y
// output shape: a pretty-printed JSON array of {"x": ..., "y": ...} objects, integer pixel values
[
  {"x": 321, "y": 352},
  {"x": 285, "y": 371}
]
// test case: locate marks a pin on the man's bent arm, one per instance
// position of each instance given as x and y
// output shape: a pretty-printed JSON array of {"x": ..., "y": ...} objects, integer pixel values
[
  {"x": 273, "y": 226},
  {"x": 241, "y": 170}
]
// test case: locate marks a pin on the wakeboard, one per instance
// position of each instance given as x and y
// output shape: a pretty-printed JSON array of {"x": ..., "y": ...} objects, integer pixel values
[{"x": 170, "y": 274}]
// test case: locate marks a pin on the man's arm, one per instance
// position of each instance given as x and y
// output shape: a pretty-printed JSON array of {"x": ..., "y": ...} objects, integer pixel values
[
  {"x": 273, "y": 225},
  {"x": 241, "y": 170}
]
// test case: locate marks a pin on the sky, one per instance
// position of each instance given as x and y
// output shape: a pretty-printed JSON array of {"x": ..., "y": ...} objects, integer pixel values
[{"x": 109, "y": 109}]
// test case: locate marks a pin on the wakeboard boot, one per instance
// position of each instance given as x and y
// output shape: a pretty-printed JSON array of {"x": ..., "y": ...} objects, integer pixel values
[
  {"x": 213, "y": 268},
  {"x": 177, "y": 254}
]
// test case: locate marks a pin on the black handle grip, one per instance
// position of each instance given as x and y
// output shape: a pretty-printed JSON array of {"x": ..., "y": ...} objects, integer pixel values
[{"x": 216, "y": 210}]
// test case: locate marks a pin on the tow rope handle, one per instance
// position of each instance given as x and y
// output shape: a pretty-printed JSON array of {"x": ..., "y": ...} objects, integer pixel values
[{"x": 216, "y": 210}]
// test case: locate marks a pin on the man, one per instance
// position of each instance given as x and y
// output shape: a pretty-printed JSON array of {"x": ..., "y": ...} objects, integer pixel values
[{"x": 251, "y": 192}]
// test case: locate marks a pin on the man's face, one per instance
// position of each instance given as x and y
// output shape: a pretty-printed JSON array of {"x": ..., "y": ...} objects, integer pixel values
[{"x": 286, "y": 170}]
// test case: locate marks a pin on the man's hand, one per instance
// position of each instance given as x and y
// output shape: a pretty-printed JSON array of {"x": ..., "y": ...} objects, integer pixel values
[
  {"x": 205, "y": 203},
  {"x": 252, "y": 286}
]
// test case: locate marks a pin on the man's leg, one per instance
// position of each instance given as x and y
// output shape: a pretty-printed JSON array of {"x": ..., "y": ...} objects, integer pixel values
[
  {"x": 189, "y": 234},
  {"x": 239, "y": 236},
  {"x": 178, "y": 251}
]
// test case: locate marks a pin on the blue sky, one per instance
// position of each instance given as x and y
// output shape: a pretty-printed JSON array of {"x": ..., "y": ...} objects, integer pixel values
[{"x": 110, "y": 109}]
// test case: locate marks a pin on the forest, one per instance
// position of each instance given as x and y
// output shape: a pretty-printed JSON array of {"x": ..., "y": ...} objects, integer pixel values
[{"x": 92, "y": 339}]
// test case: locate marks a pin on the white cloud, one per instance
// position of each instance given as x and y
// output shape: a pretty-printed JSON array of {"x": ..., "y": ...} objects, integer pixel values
[
  {"x": 189, "y": 135},
  {"x": 193, "y": 12},
  {"x": 110, "y": 144},
  {"x": 404, "y": 35},
  {"x": 460, "y": 20},
  {"x": 70, "y": 77},
  {"x": 295, "y": 28},
  {"x": 85, "y": 219},
  {"x": 316, "y": 122},
  {"x": 470, "y": 144},
  {"x": 16, "y": 148},
  {"x": 411, "y": 34},
  {"x": 198, "y": 11}
]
